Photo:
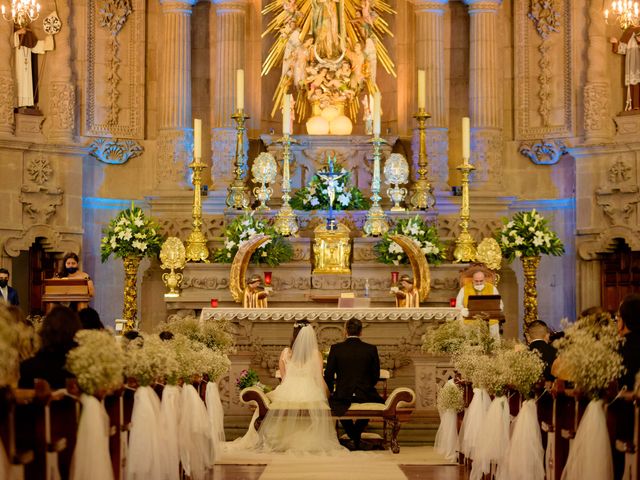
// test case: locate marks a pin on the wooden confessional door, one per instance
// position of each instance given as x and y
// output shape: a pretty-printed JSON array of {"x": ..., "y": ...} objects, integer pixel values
[
  {"x": 620, "y": 275},
  {"x": 41, "y": 265}
]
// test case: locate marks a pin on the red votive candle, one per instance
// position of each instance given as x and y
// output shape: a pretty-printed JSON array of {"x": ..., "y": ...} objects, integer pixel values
[
  {"x": 267, "y": 278},
  {"x": 214, "y": 302},
  {"x": 394, "y": 277},
  {"x": 452, "y": 302}
]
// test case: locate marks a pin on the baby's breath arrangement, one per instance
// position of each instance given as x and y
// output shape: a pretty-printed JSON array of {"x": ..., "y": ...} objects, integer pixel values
[
  {"x": 450, "y": 398},
  {"x": 214, "y": 335},
  {"x": 273, "y": 252},
  {"x": 187, "y": 359},
  {"x": 528, "y": 234},
  {"x": 131, "y": 233},
  {"x": 523, "y": 369},
  {"x": 217, "y": 365},
  {"x": 491, "y": 373},
  {"x": 446, "y": 338},
  {"x": 149, "y": 360},
  {"x": 97, "y": 362},
  {"x": 466, "y": 361},
  {"x": 316, "y": 197},
  {"x": 588, "y": 353},
  {"x": 424, "y": 235}
]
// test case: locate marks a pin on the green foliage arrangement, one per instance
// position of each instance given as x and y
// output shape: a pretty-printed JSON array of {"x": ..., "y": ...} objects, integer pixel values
[
  {"x": 315, "y": 197},
  {"x": 131, "y": 233},
  {"x": 528, "y": 234},
  {"x": 273, "y": 252},
  {"x": 424, "y": 235}
]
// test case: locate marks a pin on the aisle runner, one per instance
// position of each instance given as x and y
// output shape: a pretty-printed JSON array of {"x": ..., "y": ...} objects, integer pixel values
[{"x": 355, "y": 465}]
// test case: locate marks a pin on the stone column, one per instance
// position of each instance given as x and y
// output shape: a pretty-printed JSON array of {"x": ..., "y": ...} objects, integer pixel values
[
  {"x": 597, "y": 124},
  {"x": 485, "y": 101},
  {"x": 62, "y": 91},
  {"x": 175, "y": 135},
  {"x": 430, "y": 57},
  {"x": 229, "y": 56},
  {"x": 7, "y": 85}
]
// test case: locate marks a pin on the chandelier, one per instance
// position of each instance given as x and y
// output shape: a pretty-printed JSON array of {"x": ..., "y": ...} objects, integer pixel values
[
  {"x": 23, "y": 12},
  {"x": 625, "y": 12}
]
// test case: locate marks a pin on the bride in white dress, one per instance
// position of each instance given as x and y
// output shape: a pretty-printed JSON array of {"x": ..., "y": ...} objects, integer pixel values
[{"x": 299, "y": 418}]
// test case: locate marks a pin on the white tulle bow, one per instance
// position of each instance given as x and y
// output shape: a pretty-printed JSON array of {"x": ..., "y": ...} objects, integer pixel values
[
  {"x": 196, "y": 445},
  {"x": 524, "y": 459},
  {"x": 216, "y": 417},
  {"x": 144, "y": 459},
  {"x": 471, "y": 429},
  {"x": 590, "y": 452},
  {"x": 91, "y": 457},
  {"x": 495, "y": 438},
  {"x": 169, "y": 421},
  {"x": 446, "y": 443}
]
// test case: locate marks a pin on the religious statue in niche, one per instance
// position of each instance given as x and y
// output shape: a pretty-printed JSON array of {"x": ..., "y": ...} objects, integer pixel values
[
  {"x": 27, "y": 47},
  {"x": 255, "y": 296},
  {"x": 629, "y": 46}
]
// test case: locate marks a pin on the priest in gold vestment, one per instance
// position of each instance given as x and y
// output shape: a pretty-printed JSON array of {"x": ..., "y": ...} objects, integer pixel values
[
  {"x": 254, "y": 295},
  {"x": 407, "y": 296}
]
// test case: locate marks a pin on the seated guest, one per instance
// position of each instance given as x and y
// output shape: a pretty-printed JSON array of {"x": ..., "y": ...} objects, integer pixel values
[
  {"x": 538, "y": 337},
  {"x": 90, "y": 319},
  {"x": 628, "y": 322},
  {"x": 56, "y": 337}
]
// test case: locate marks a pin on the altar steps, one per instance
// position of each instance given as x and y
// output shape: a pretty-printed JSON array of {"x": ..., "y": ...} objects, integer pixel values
[{"x": 420, "y": 430}]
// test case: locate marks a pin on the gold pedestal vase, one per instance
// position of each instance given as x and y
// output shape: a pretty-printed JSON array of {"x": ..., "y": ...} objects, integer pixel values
[
  {"x": 530, "y": 268},
  {"x": 130, "y": 308}
]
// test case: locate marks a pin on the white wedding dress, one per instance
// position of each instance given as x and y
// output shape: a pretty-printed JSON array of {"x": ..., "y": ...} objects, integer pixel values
[{"x": 299, "y": 418}]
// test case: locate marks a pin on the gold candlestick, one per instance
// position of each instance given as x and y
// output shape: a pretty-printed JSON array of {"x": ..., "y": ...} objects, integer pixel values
[
  {"x": 422, "y": 197},
  {"x": 238, "y": 195},
  {"x": 376, "y": 223},
  {"x": 286, "y": 222},
  {"x": 465, "y": 250},
  {"x": 196, "y": 249}
]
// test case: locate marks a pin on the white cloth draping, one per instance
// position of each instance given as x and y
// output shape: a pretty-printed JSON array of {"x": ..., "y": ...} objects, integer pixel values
[
  {"x": 590, "y": 453},
  {"x": 495, "y": 438},
  {"x": 144, "y": 459},
  {"x": 471, "y": 429},
  {"x": 216, "y": 417},
  {"x": 194, "y": 434},
  {"x": 169, "y": 420},
  {"x": 446, "y": 442},
  {"x": 524, "y": 459},
  {"x": 91, "y": 457}
]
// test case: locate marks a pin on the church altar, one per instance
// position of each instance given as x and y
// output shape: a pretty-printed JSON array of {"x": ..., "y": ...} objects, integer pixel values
[{"x": 261, "y": 334}]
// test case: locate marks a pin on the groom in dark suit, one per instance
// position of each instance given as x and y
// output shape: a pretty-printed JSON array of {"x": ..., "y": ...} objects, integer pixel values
[{"x": 354, "y": 367}]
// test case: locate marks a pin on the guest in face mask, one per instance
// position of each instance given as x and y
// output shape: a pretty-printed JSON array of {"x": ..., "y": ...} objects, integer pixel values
[
  {"x": 71, "y": 270},
  {"x": 7, "y": 294},
  {"x": 477, "y": 286}
]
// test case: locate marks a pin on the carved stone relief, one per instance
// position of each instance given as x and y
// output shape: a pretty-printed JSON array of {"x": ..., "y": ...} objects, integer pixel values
[
  {"x": 122, "y": 75},
  {"x": 39, "y": 199},
  {"x": 115, "y": 152},
  {"x": 223, "y": 146},
  {"x": 487, "y": 158},
  {"x": 174, "y": 154},
  {"x": 620, "y": 196},
  {"x": 62, "y": 104},
  {"x": 544, "y": 152},
  {"x": 7, "y": 96},
  {"x": 52, "y": 240},
  {"x": 544, "y": 102},
  {"x": 596, "y": 105}
]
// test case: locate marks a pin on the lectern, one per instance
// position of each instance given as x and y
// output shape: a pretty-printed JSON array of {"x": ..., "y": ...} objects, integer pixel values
[{"x": 62, "y": 290}]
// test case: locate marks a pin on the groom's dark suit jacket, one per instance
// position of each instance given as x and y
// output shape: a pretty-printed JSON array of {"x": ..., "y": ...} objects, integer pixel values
[{"x": 354, "y": 367}]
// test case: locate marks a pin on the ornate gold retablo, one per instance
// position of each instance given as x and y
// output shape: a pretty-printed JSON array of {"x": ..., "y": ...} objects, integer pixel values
[{"x": 331, "y": 249}]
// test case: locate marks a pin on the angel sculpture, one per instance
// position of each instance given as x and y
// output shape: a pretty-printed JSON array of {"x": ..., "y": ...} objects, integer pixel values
[
  {"x": 301, "y": 59},
  {"x": 371, "y": 59},
  {"x": 356, "y": 57},
  {"x": 290, "y": 54}
]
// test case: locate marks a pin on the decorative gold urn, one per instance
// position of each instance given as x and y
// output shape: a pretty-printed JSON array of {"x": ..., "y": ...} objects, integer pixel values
[
  {"x": 331, "y": 249},
  {"x": 172, "y": 256}
]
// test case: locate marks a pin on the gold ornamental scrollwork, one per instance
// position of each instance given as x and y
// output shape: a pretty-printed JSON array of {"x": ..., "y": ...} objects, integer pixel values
[
  {"x": 240, "y": 263},
  {"x": 489, "y": 253},
  {"x": 173, "y": 257},
  {"x": 419, "y": 264}
]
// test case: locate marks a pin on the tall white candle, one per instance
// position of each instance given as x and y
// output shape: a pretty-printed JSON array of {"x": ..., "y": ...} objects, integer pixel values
[
  {"x": 197, "y": 138},
  {"x": 377, "y": 99},
  {"x": 286, "y": 115},
  {"x": 240, "y": 89},
  {"x": 422, "y": 90},
  {"x": 466, "y": 139}
]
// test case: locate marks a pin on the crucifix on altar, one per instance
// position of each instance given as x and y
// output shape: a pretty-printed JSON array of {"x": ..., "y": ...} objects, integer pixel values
[{"x": 330, "y": 179}]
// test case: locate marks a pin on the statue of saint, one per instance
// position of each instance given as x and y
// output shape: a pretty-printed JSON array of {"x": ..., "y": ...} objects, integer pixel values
[
  {"x": 629, "y": 46},
  {"x": 26, "y": 47},
  {"x": 407, "y": 295},
  {"x": 326, "y": 28},
  {"x": 255, "y": 296}
]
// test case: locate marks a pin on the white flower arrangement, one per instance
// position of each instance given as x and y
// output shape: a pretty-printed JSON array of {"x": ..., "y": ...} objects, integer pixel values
[
  {"x": 97, "y": 362},
  {"x": 450, "y": 397},
  {"x": 214, "y": 335},
  {"x": 148, "y": 360},
  {"x": 588, "y": 356},
  {"x": 528, "y": 234},
  {"x": 131, "y": 233},
  {"x": 523, "y": 369},
  {"x": 425, "y": 236}
]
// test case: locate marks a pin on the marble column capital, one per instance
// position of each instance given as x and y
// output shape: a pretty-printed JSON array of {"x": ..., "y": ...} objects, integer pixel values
[
  {"x": 483, "y": 6},
  {"x": 431, "y": 6},
  {"x": 177, "y": 6},
  {"x": 230, "y": 5}
]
